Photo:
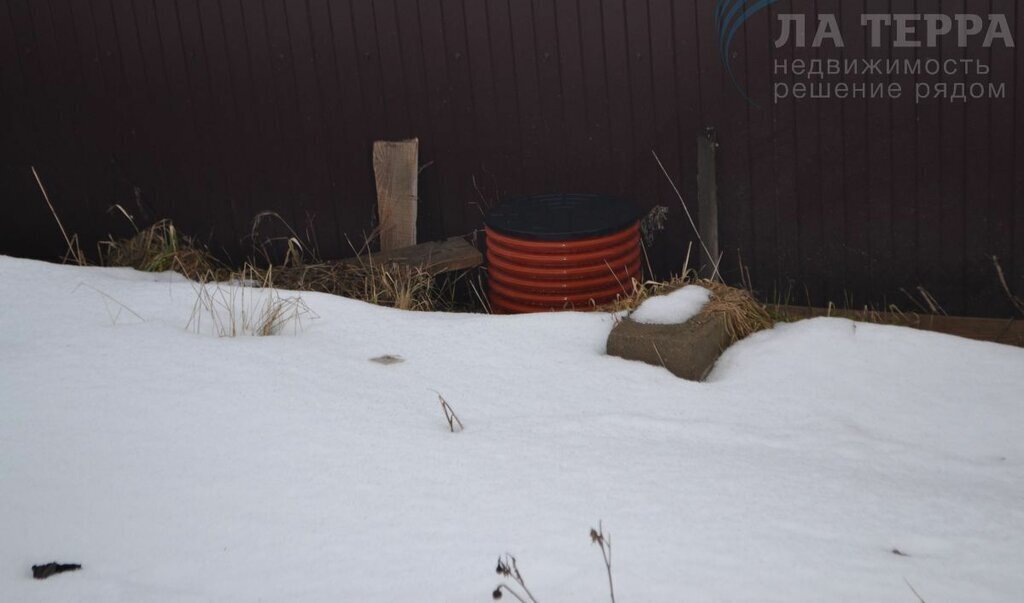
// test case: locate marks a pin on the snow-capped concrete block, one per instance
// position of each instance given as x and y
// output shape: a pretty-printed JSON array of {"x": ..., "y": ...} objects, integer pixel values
[{"x": 688, "y": 350}]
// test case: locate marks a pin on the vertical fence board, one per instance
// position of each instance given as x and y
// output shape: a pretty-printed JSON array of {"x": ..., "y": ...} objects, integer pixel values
[
  {"x": 950, "y": 288},
  {"x": 808, "y": 139},
  {"x": 879, "y": 173},
  {"x": 829, "y": 265},
  {"x": 928, "y": 242},
  {"x": 762, "y": 263},
  {"x": 855, "y": 145},
  {"x": 1016, "y": 274},
  {"x": 903, "y": 183},
  {"x": 999, "y": 231},
  {"x": 573, "y": 93},
  {"x": 596, "y": 107}
]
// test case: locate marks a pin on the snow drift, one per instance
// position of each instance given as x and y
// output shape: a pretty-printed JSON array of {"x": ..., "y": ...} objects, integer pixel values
[{"x": 181, "y": 466}]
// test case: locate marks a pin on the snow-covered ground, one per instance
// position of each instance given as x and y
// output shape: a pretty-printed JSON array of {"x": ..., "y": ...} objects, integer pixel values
[{"x": 178, "y": 466}]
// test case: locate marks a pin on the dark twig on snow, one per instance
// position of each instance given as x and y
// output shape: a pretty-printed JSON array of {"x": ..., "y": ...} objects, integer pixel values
[
  {"x": 1017, "y": 302},
  {"x": 508, "y": 568},
  {"x": 598, "y": 537},
  {"x": 41, "y": 572},
  {"x": 914, "y": 590},
  {"x": 449, "y": 414}
]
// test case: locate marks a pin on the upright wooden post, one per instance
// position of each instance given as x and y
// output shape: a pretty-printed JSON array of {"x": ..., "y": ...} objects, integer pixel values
[
  {"x": 396, "y": 169},
  {"x": 707, "y": 201}
]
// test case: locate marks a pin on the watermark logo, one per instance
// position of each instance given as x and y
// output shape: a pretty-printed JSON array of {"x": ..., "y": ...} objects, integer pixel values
[
  {"x": 730, "y": 15},
  {"x": 834, "y": 73}
]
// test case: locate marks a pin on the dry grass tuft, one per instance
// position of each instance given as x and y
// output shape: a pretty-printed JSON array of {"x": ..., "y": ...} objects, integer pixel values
[
  {"x": 397, "y": 286},
  {"x": 246, "y": 306},
  {"x": 74, "y": 252},
  {"x": 743, "y": 314},
  {"x": 392, "y": 285},
  {"x": 158, "y": 248}
]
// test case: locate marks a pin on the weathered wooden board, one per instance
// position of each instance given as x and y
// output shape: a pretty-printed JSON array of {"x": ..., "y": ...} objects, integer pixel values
[
  {"x": 396, "y": 168},
  {"x": 435, "y": 257}
]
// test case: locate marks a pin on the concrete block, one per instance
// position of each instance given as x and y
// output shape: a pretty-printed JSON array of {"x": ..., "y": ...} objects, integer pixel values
[{"x": 687, "y": 350}]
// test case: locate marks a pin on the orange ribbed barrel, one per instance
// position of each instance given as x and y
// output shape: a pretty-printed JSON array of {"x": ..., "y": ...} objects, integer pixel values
[{"x": 559, "y": 252}]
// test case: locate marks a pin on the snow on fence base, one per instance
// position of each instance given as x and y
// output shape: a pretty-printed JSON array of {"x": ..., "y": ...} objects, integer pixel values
[
  {"x": 1008, "y": 331},
  {"x": 688, "y": 350}
]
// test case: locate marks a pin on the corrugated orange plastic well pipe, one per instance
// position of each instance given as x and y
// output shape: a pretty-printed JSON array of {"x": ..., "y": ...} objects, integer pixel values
[{"x": 536, "y": 276}]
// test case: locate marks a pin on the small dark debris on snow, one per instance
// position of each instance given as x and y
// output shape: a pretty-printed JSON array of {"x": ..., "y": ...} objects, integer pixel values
[
  {"x": 41, "y": 572},
  {"x": 899, "y": 552},
  {"x": 387, "y": 359}
]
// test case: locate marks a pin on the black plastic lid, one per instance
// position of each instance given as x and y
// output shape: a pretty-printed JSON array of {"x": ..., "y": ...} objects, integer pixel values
[{"x": 564, "y": 217}]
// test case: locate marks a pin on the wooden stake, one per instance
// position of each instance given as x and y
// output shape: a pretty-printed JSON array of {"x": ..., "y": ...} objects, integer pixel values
[{"x": 396, "y": 168}]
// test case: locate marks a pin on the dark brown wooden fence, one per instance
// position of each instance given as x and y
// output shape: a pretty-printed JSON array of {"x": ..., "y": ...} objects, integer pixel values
[{"x": 211, "y": 111}]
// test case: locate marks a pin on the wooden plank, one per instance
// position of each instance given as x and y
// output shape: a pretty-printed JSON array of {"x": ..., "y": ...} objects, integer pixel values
[
  {"x": 1009, "y": 331},
  {"x": 396, "y": 166},
  {"x": 707, "y": 202},
  {"x": 434, "y": 257}
]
